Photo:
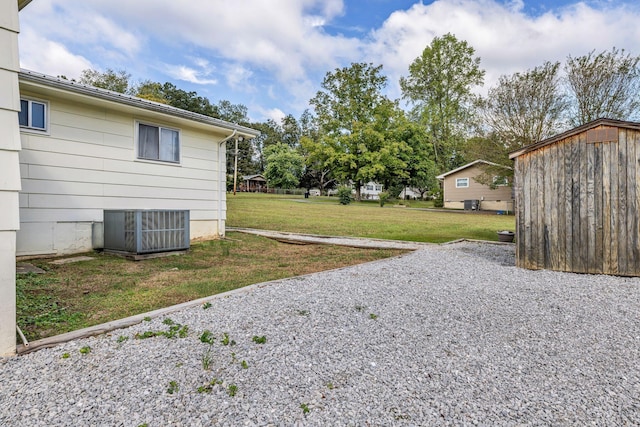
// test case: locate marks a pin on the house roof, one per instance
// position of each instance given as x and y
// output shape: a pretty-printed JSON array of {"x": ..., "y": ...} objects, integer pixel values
[
  {"x": 468, "y": 165},
  {"x": 132, "y": 101},
  {"x": 575, "y": 131},
  {"x": 257, "y": 177}
]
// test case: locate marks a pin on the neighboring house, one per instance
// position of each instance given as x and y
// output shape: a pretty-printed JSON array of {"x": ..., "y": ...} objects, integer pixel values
[
  {"x": 253, "y": 183},
  {"x": 459, "y": 185},
  {"x": 578, "y": 195},
  {"x": 85, "y": 150},
  {"x": 409, "y": 193},
  {"x": 371, "y": 191}
]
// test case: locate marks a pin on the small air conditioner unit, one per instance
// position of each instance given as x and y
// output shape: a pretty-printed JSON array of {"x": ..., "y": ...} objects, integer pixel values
[{"x": 146, "y": 231}]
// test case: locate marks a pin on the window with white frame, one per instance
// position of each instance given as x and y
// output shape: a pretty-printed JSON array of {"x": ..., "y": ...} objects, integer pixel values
[
  {"x": 158, "y": 143},
  {"x": 500, "y": 181},
  {"x": 462, "y": 182},
  {"x": 33, "y": 114}
]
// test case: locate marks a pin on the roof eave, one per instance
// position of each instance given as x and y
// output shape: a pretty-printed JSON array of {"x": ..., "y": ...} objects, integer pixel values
[{"x": 107, "y": 95}]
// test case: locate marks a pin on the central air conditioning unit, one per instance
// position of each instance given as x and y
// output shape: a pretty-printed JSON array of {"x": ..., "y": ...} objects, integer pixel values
[{"x": 146, "y": 231}]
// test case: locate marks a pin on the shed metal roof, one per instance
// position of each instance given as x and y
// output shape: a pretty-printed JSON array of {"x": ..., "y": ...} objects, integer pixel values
[{"x": 575, "y": 131}]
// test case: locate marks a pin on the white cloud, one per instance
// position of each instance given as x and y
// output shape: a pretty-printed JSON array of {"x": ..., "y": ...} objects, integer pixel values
[
  {"x": 504, "y": 37},
  {"x": 238, "y": 77},
  {"x": 40, "y": 54},
  {"x": 278, "y": 54},
  {"x": 188, "y": 74}
]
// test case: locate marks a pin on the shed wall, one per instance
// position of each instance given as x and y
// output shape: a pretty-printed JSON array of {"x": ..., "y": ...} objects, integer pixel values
[{"x": 577, "y": 204}]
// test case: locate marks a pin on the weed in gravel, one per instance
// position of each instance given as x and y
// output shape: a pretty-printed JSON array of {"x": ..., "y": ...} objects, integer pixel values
[
  {"x": 207, "y": 337},
  {"x": 85, "y": 350},
  {"x": 226, "y": 340},
  {"x": 209, "y": 387},
  {"x": 168, "y": 321},
  {"x": 330, "y": 386},
  {"x": 173, "y": 387},
  {"x": 147, "y": 319},
  {"x": 303, "y": 312},
  {"x": 232, "y": 390},
  {"x": 373, "y": 316},
  {"x": 205, "y": 389},
  {"x": 244, "y": 364},
  {"x": 206, "y": 305},
  {"x": 207, "y": 359},
  {"x": 360, "y": 308},
  {"x": 183, "y": 332},
  {"x": 305, "y": 408},
  {"x": 259, "y": 340},
  {"x": 122, "y": 338},
  {"x": 66, "y": 355},
  {"x": 146, "y": 334}
]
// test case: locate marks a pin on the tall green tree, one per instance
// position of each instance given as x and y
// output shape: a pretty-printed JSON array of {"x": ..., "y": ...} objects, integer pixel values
[
  {"x": 284, "y": 166},
  {"x": 439, "y": 87},
  {"x": 604, "y": 85},
  {"x": 353, "y": 120},
  {"x": 116, "y": 81}
]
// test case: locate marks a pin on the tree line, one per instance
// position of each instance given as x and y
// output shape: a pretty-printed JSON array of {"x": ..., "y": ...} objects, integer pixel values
[{"x": 354, "y": 134}]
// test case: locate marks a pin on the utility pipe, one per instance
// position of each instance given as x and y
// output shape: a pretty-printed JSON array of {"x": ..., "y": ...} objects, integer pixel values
[
  {"x": 222, "y": 178},
  {"x": 22, "y": 337}
]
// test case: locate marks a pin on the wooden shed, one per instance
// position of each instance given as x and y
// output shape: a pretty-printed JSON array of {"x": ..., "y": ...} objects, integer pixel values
[{"x": 577, "y": 200}]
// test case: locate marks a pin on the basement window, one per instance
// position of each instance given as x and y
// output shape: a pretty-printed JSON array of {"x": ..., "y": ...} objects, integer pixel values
[{"x": 33, "y": 115}]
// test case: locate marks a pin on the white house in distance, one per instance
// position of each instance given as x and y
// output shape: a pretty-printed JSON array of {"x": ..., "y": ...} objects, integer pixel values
[
  {"x": 86, "y": 150},
  {"x": 459, "y": 185}
]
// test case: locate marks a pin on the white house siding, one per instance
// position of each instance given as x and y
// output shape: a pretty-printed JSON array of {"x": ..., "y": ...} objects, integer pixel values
[
  {"x": 9, "y": 172},
  {"x": 87, "y": 163}
]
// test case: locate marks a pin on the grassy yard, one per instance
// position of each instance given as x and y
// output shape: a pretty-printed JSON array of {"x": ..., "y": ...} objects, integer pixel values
[
  {"x": 324, "y": 215},
  {"x": 77, "y": 295}
]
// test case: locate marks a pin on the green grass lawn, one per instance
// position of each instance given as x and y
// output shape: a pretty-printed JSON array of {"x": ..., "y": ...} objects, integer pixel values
[
  {"x": 73, "y": 296},
  {"x": 324, "y": 215}
]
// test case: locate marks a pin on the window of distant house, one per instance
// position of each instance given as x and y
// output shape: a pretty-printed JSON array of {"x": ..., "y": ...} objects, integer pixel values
[
  {"x": 378, "y": 187},
  {"x": 369, "y": 187},
  {"x": 33, "y": 114},
  {"x": 500, "y": 181},
  {"x": 462, "y": 182},
  {"x": 158, "y": 143}
]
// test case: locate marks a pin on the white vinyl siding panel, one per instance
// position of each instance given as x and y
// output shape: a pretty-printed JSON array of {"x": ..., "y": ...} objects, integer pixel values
[{"x": 88, "y": 163}]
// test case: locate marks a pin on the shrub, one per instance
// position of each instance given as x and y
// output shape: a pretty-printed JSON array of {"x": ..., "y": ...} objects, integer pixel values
[
  {"x": 344, "y": 194},
  {"x": 383, "y": 198},
  {"x": 438, "y": 202}
]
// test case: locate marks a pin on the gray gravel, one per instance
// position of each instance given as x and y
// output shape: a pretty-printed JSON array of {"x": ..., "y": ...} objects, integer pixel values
[{"x": 445, "y": 335}]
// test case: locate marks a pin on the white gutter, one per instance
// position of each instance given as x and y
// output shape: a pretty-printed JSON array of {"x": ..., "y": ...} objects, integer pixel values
[{"x": 223, "y": 179}]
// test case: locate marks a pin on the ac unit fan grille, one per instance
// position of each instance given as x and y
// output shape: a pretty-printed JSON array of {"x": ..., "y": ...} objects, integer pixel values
[{"x": 146, "y": 231}]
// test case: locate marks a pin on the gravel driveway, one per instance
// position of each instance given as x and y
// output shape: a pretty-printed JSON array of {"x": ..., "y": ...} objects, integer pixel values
[{"x": 446, "y": 335}]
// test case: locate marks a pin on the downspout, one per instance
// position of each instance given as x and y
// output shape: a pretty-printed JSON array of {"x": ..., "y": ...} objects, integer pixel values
[{"x": 223, "y": 179}]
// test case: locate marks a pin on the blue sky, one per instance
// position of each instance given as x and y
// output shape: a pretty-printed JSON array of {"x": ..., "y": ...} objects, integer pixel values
[{"x": 272, "y": 55}]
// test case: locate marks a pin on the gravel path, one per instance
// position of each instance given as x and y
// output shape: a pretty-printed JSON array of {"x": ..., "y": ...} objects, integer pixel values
[{"x": 446, "y": 335}]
